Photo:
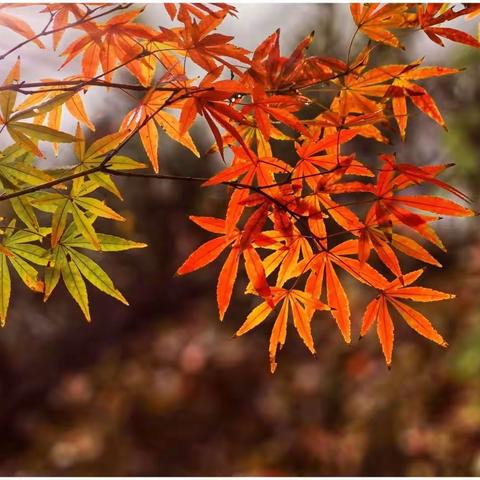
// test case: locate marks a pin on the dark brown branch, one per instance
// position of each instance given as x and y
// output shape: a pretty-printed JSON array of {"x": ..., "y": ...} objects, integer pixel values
[
  {"x": 75, "y": 85},
  {"x": 101, "y": 166},
  {"x": 86, "y": 18},
  {"x": 46, "y": 185},
  {"x": 159, "y": 176},
  {"x": 253, "y": 188}
]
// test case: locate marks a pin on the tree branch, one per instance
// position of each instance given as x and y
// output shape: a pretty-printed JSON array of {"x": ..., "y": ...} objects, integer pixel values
[{"x": 86, "y": 18}]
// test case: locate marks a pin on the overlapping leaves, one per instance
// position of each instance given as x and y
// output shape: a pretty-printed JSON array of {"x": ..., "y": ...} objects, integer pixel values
[{"x": 298, "y": 226}]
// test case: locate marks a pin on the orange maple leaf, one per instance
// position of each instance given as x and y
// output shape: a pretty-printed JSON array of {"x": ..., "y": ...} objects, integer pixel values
[{"x": 393, "y": 293}]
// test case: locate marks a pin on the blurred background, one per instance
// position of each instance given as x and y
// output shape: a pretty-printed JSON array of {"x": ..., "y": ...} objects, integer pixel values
[{"x": 161, "y": 388}]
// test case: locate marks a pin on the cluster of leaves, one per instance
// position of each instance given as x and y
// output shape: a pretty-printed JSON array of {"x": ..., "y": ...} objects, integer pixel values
[{"x": 296, "y": 226}]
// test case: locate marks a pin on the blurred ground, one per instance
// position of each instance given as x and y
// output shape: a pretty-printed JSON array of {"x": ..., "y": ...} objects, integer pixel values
[{"x": 161, "y": 388}]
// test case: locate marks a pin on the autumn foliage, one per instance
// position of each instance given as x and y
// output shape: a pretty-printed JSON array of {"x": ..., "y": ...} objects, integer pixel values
[{"x": 296, "y": 228}]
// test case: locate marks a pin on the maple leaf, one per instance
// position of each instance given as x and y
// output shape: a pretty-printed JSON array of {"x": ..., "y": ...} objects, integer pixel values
[
  {"x": 24, "y": 134},
  {"x": 387, "y": 82},
  {"x": 115, "y": 42},
  {"x": 208, "y": 100},
  {"x": 402, "y": 87},
  {"x": 376, "y": 21},
  {"x": 17, "y": 251},
  {"x": 252, "y": 137},
  {"x": 280, "y": 107},
  {"x": 394, "y": 293},
  {"x": 325, "y": 186},
  {"x": 49, "y": 106},
  {"x": 77, "y": 204},
  {"x": 249, "y": 168},
  {"x": 61, "y": 13},
  {"x": 322, "y": 270},
  {"x": 19, "y": 26},
  {"x": 93, "y": 156},
  {"x": 151, "y": 107},
  {"x": 373, "y": 236},
  {"x": 203, "y": 47},
  {"x": 357, "y": 85},
  {"x": 363, "y": 125},
  {"x": 295, "y": 301},
  {"x": 433, "y": 14},
  {"x": 290, "y": 249},
  {"x": 389, "y": 207},
  {"x": 17, "y": 169},
  {"x": 278, "y": 73},
  {"x": 311, "y": 167},
  {"x": 66, "y": 262},
  {"x": 201, "y": 10},
  {"x": 210, "y": 250}
]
